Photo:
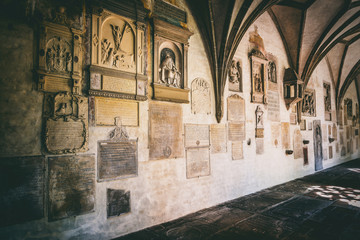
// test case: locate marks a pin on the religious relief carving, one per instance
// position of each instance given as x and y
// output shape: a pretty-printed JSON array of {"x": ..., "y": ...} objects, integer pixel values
[
  {"x": 169, "y": 74},
  {"x": 235, "y": 76},
  {"x": 318, "y": 150},
  {"x": 308, "y": 103},
  {"x": 348, "y": 107},
  {"x": 259, "y": 113},
  {"x": 327, "y": 101},
  {"x": 58, "y": 55},
  {"x": 272, "y": 72},
  {"x": 200, "y": 96}
]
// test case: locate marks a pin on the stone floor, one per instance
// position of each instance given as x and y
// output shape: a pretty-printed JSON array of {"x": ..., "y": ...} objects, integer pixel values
[{"x": 325, "y": 205}]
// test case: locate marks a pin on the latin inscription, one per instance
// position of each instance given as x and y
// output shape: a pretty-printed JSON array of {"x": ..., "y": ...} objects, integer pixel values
[
  {"x": 197, "y": 135},
  {"x": 237, "y": 150},
  {"x": 273, "y": 106},
  {"x": 197, "y": 162},
  {"x": 236, "y": 131},
  {"x": 218, "y": 138}
]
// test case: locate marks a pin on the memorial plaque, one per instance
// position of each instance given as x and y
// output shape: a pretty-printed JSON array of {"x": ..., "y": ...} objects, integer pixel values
[
  {"x": 337, "y": 147},
  {"x": 341, "y": 134},
  {"x": 348, "y": 147},
  {"x": 325, "y": 154},
  {"x": 237, "y": 150},
  {"x": 310, "y": 126},
  {"x": 165, "y": 131},
  {"x": 308, "y": 107},
  {"x": 273, "y": 106},
  {"x": 117, "y": 159},
  {"x": 197, "y": 162},
  {"x": 334, "y": 131},
  {"x": 330, "y": 152},
  {"x": 21, "y": 190},
  {"x": 115, "y": 84},
  {"x": 275, "y": 134},
  {"x": 306, "y": 156},
  {"x": 285, "y": 135},
  {"x": 236, "y": 108},
  {"x": 200, "y": 97},
  {"x": 71, "y": 186},
  {"x": 324, "y": 132},
  {"x": 293, "y": 118},
  {"x": 218, "y": 138},
  {"x": 259, "y": 146},
  {"x": 106, "y": 109},
  {"x": 318, "y": 151},
  {"x": 236, "y": 131},
  {"x": 95, "y": 81},
  {"x": 298, "y": 144},
  {"x": 303, "y": 125},
  {"x": 197, "y": 135},
  {"x": 259, "y": 130},
  {"x": 66, "y": 135},
  {"x": 118, "y": 202}
]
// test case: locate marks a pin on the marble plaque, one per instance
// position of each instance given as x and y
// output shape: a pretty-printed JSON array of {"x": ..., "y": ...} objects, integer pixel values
[
  {"x": 343, "y": 151},
  {"x": 197, "y": 162},
  {"x": 285, "y": 135},
  {"x": 21, "y": 191},
  {"x": 275, "y": 134},
  {"x": 237, "y": 150},
  {"x": 66, "y": 135},
  {"x": 71, "y": 186},
  {"x": 273, "y": 106},
  {"x": 118, "y": 202},
  {"x": 324, "y": 132},
  {"x": 330, "y": 152},
  {"x": 165, "y": 131},
  {"x": 259, "y": 146},
  {"x": 200, "y": 97},
  {"x": 218, "y": 138},
  {"x": 293, "y": 118},
  {"x": 236, "y": 131},
  {"x": 236, "y": 108},
  {"x": 197, "y": 135},
  {"x": 334, "y": 131},
  {"x": 117, "y": 159},
  {"x": 298, "y": 144},
  {"x": 310, "y": 126},
  {"x": 106, "y": 109},
  {"x": 115, "y": 84},
  {"x": 306, "y": 156},
  {"x": 303, "y": 125},
  {"x": 318, "y": 149}
]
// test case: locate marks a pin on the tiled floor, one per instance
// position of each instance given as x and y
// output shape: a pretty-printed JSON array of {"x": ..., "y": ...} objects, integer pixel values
[{"x": 325, "y": 205}]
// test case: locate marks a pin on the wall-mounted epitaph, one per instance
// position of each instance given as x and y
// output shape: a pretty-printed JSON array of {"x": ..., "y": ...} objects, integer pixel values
[
  {"x": 309, "y": 103},
  {"x": 259, "y": 146},
  {"x": 324, "y": 132},
  {"x": 197, "y": 162},
  {"x": 237, "y": 150},
  {"x": 285, "y": 135},
  {"x": 318, "y": 149},
  {"x": 327, "y": 101},
  {"x": 170, "y": 62},
  {"x": 200, "y": 97},
  {"x": 118, "y": 53},
  {"x": 236, "y": 108},
  {"x": 275, "y": 134},
  {"x": 298, "y": 144},
  {"x": 218, "y": 138},
  {"x": 197, "y": 135},
  {"x": 71, "y": 186},
  {"x": 259, "y": 131},
  {"x": 66, "y": 128},
  {"x": 306, "y": 156},
  {"x": 330, "y": 152},
  {"x": 235, "y": 76},
  {"x": 272, "y": 72},
  {"x": 273, "y": 106},
  {"x": 236, "y": 131},
  {"x": 303, "y": 125},
  {"x": 118, "y": 202},
  {"x": 165, "y": 131},
  {"x": 117, "y": 157},
  {"x": 21, "y": 189},
  {"x": 348, "y": 109}
]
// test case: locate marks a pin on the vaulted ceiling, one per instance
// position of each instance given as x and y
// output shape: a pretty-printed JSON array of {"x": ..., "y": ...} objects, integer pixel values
[{"x": 311, "y": 30}]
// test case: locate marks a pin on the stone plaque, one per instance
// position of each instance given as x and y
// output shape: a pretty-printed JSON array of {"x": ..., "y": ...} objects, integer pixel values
[
  {"x": 236, "y": 108},
  {"x": 303, "y": 125},
  {"x": 310, "y": 126},
  {"x": 285, "y": 135},
  {"x": 298, "y": 144},
  {"x": 95, "y": 81},
  {"x": 329, "y": 130},
  {"x": 165, "y": 131},
  {"x": 236, "y": 131},
  {"x": 71, "y": 186},
  {"x": 325, "y": 154},
  {"x": 324, "y": 132},
  {"x": 218, "y": 138},
  {"x": 327, "y": 101},
  {"x": 197, "y": 135},
  {"x": 273, "y": 106},
  {"x": 337, "y": 147},
  {"x": 306, "y": 156},
  {"x": 21, "y": 190},
  {"x": 237, "y": 150},
  {"x": 117, "y": 159},
  {"x": 115, "y": 84},
  {"x": 259, "y": 130},
  {"x": 258, "y": 79},
  {"x": 293, "y": 118},
  {"x": 334, "y": 131},
  {"x": 118, "y": 202},
  {"x": 106, "y": 109},
  {"x": 318, "y": 154},
  {"x": 275, "y": 134},
  {"x": 341, "y": 135},
  {"x": 343, "y": 151},
  {"x": 66, "y": 135},
  {"x": 259, "y": 146},
  {"x": 197, "y": 162},
  {"x": 330, "y": 152},
  {"x": 200, "y": 97}
]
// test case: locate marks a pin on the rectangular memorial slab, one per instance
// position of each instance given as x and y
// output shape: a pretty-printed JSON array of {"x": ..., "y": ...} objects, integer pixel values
[
  {"x": 118, "y": 202},
  {"x": 236, "y": 108},
  {"x": 306, "y": 156},
  {"x": 330, "y": 152},
  {"x": 21, "y": 189},
  {"x": 285, "y": 135},
  {"x": 237, "y": 150},
  {"x": 259, "y": 146},
  {"x": 318, "y": 151},
  {"x": 303, "y": 125},
  {"x": 273, "y": 106},
  {"x": 165, "y": 131},
  {"x": 275, "y": 134},
  {"x": 236, "y": 131},
  {"x": 71, "y": 186},
  {"x": 117, "y": 159},
  {"x": 324, "y": 132},
  {"x": 197, "y": 162},
  {"x": 218, "y": 138},
  {"x": 197, "y": 135},
  {"x": 298, "y": 144}
]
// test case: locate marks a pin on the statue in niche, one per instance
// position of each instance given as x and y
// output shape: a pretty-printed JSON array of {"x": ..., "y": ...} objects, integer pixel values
[
  {"x": 348, "y": 103},
  {"x": 258, "y": 82},
  {"x": 308, "y": 104},
  {"x": 272, "y": 72},
  {"x": 58, "y": 55},
  {"x": 259, "y": 117},
  {"x": 169, "y": 74},
  {"x": 235, "y": 72},
  {"x": 327, "y": 97}
]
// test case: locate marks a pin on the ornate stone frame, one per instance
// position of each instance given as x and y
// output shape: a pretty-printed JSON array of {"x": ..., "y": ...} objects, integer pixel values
[
  {"x": 258, "y": 97},
  {"x": 175, "y": 38}
]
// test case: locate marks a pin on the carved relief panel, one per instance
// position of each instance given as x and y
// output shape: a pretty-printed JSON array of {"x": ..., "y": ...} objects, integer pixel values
[
  {"x": 258, "y": 80},
  {"x": 259, "y": 131},
  {"x": 235, "y": 76},
  {"x": 327, "y": 101},
  {"x": 200, "y": 96},
  {"x": 309, "y": 103},
  {"x": 60, "y": 58},
  {"x": 117, "y": 57}
]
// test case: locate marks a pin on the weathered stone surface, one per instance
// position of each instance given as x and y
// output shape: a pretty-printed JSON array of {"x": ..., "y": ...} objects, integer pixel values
[
  {"x": 197, "y": 135},
  {"x": 218, "y": 138},
  {"x": 285, "y": 135},
  {"x": 318, "y": 153},
  {"x": 237, "y": 150},
  {"x": 298, "y": 144},
  {"x": 118, "y": 202},
  {"x": 236, "y": 108},
  {"x": 21, "y": 190},
  {"x": 273, "y": 106},
  {"x": 236, "y": 131},
  {"x": 197, "y": 162},
  {"x": 200, "y": 97},
  {"x": 259, "y": 146},
  {"x": 275, "y": 134}
]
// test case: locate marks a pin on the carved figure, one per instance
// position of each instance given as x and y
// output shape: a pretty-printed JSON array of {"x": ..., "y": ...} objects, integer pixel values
[
  {"x": 259, "y": 117},
  {"x": 272, "y": 72},
  {"x": 258, "y": 83},
  {"x": 308, "y": 105},
  {"x": 327, "y": 97},
  {"x": 119, "y": 132},
  {"x": 235, "y": 72},
  {"x": 348, "y": 103},
  {"x": 169, "y": 74}
]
